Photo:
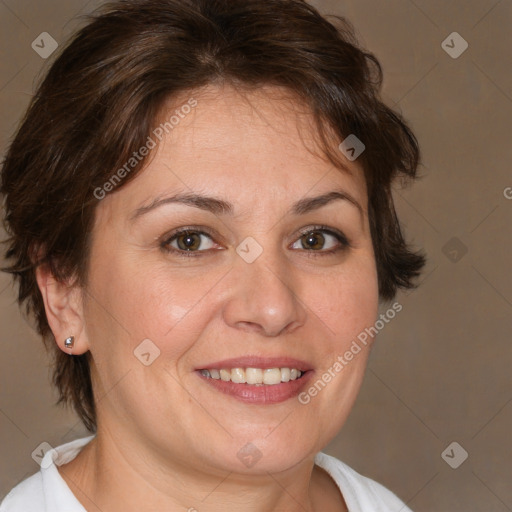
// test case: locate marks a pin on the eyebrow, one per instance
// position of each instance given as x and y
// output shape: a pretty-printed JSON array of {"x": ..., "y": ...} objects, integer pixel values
[{"x": 220, "y": 207}]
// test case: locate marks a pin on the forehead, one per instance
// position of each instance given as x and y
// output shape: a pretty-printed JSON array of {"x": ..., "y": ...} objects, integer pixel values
[{"x": 240, "y": 145}]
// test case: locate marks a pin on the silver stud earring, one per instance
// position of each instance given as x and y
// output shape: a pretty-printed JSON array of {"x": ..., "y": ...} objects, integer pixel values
[{"x": 69, "y": 342}]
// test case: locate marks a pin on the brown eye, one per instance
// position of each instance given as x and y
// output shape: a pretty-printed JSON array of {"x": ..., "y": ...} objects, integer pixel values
[
  {"x": 322, "y": 241},
  {"x": 188, "y": 241},
  {"x": 313, "y": 240}
]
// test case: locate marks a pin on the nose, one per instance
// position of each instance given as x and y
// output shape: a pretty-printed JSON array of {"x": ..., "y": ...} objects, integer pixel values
[{"x": 263, "y": 297}]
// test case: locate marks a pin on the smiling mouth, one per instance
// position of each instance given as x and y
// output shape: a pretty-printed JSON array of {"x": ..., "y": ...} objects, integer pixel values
[{"x": 253, "y": 376}]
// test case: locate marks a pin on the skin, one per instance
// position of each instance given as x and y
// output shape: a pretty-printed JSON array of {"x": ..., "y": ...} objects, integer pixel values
[{"x": 166, "y": 440}]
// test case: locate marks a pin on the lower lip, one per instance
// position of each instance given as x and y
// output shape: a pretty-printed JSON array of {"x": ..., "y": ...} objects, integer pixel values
[{"x": 265, "y": 394}]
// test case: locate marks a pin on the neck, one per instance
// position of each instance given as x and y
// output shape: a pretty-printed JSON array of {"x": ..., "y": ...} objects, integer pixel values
[{"x": 106, "y": 476}]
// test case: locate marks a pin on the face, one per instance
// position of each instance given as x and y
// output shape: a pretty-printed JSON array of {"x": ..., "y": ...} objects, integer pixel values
[{"x": 263, "y": 280}]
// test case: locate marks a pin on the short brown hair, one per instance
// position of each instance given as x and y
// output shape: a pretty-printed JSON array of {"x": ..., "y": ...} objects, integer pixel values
[{"x": 102, "y": 95}]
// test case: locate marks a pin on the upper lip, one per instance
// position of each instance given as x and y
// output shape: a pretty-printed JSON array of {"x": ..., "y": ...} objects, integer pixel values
[{"x": 258, "y": 362}]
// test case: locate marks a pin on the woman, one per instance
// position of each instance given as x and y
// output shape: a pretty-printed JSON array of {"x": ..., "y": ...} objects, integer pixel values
[{"x": 200, "y": 217}]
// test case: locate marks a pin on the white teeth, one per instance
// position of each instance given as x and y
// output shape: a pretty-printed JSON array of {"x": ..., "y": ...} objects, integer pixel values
[
  {"x": 238, "y": 375},
  {"x": 254, "y": 376},
  {"x": 272, "y": 376}
]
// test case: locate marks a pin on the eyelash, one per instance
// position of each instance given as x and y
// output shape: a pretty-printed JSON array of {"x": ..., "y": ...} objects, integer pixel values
[{"x": 340, "y": 237}]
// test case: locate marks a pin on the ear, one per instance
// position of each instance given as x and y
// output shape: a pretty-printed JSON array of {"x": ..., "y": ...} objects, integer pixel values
[{"x": 64, "y": 310}]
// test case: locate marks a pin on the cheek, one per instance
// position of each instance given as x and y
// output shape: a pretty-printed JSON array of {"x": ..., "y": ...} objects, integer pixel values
[
  {"x": 347, "y": 302},
  {"x": 137, "y": 299}
]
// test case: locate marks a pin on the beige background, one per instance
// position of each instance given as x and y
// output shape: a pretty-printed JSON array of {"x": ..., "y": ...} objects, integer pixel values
[{"x": 440, "y": 371}]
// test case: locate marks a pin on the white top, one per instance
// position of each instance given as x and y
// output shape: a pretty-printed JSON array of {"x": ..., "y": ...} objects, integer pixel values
[{"x": 46, "y": 491}]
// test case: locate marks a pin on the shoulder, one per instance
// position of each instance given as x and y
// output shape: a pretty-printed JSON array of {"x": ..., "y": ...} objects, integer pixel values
[
  {"x": 46, "y": 490},
  {"x": 360, "y": 492},
  {"x": 27, "y": 496}
]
